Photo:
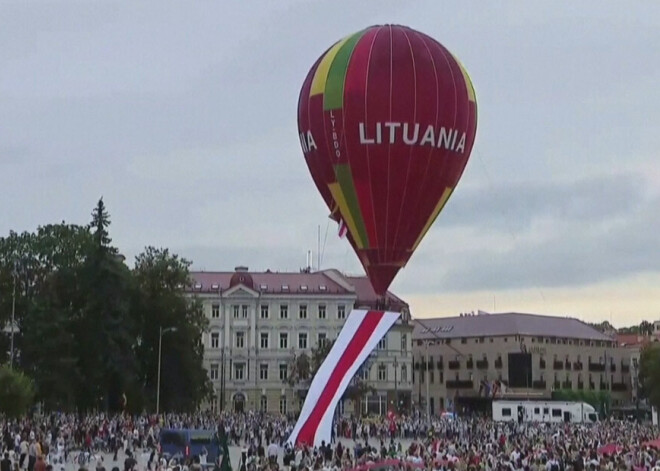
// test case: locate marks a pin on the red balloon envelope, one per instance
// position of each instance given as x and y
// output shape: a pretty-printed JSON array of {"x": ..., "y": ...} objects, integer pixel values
[{"x": 387, "y": 119}]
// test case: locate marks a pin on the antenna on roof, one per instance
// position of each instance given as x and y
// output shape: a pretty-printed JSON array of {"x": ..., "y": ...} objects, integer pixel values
[
  {"x": 318, "y": 249},
  {"x": 308, "y": 262}
]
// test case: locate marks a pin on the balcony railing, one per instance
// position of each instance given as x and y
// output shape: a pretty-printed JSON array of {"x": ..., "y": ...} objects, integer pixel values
[
  {"x": 580, "y": 385},
  {"x": 592, "y": 386},
  {"x": 556, "y": 385},
  {"x": 482, "y": 364},
  {"x": 597, "y": 367},
  {"x": 567, "y": 365},
  {"x": 542, "y": 364},
  {"x": 577, "y": 366},
  {"x": 459, "y": 384},
  {"x": 567, "y": 385},
  {"x": 469, "y": 364},
  {"x": 613, "y": 368},
  {"x": 441, "y": 365},
  {"x": 558, "y": 365},
  {"x": 539, "y": 384},
  {"x": 453, "y": 364},
  {"x": 498, "y": 363},
  {"x": 619, "y": 387},
  {"x": 625, "y": 368},
  {"x": 603, "y": 386}
]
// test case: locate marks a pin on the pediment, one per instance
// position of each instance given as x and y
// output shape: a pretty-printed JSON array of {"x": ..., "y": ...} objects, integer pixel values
[{"x": 240, "y": 291}]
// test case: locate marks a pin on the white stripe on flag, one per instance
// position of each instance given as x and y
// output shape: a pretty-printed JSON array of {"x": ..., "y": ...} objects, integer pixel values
[
  {"x": 324, "y": 431},
  {"x": 354, "y": 351}
]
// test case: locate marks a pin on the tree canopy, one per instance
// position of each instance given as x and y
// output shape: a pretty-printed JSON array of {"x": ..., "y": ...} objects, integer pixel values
[
  {"x": 649, "y": 373},
  {"x": 88, "y": 325},
  {"x": 16, "y": 392}
]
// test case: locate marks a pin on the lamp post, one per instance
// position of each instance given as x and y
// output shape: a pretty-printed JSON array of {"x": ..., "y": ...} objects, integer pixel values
[
  {"x": 428, "y": 386},
  {"x": 13, "y": 319},
  {"x": 396, "y": 387},
  {"x": 160, "y": 354}
]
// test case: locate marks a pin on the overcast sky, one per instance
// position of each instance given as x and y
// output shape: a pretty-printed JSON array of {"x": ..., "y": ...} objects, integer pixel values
[{"x": 182, "y": 115}]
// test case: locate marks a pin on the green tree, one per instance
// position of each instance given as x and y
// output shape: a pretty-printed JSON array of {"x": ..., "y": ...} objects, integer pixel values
[
  {"x": 104, "y": 328},
  {"x": 100, "y": 223},
  {"x": 88, "y": 326},
  {"x": 646, "y": 328},
  {"x": 160, "y": 302},
  {"x": 30, "y": 259},
  {"x": 300, "y": 371},
  {"x": 649, "y": 373},
  {"x": 48, "y": 343},
  {"x": 16, "y": 392}
]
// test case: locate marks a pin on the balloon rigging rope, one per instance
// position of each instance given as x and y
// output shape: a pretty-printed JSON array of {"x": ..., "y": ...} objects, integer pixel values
[{"x": 325, "y": 239}]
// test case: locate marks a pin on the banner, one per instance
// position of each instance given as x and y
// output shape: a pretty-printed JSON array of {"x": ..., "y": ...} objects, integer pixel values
[{"x": 357, "y": 339}]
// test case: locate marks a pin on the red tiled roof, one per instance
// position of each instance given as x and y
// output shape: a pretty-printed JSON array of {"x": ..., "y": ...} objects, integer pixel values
[
  {"x": 321, "y": 282},
  {"x": 631, "y": 339},
  {"x": 270, "y": 282}
]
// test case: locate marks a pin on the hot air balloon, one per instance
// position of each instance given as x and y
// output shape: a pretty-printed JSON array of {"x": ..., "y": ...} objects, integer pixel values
[{"x": 387, "y": 119}]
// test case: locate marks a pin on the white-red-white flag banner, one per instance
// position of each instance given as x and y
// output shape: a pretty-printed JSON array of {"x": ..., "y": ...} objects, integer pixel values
[{"x": 357, "y": 339}]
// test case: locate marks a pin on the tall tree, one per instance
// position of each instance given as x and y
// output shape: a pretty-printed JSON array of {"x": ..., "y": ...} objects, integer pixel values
[
  {"x": 30, "y": 259},
  {"x": 646, "y": 328},
  {"x": 99, "y": 225},
  {"x": 89, "y": 327},
  {"x": 649, "y": 373},
  {"x": 160, "y": 278},
  {"x": 49, "y": 338}
]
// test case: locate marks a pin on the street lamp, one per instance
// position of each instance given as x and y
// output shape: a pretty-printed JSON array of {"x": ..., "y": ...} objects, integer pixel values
[
  {"x": 396, "y": 387},
  {"x": 13, "y": 319},
  {"x": 160, "y": 353}
]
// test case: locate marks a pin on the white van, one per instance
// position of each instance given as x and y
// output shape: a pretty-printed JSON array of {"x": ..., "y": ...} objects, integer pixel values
[{"x": 544, "y": 411}]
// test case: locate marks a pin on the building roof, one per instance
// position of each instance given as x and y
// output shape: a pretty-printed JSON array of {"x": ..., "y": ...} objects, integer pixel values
[
  {"x": 269, "y": 282},
  {"x": 631, "y": 340},
  {"x": 325, "y": 282},
  {"x": 508, "y": 323}
]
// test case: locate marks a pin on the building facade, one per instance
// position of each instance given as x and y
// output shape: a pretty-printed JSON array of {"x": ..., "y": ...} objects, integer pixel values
[
  {"x": 260, "y": 322},
  {"x": 475, "y": 357}
]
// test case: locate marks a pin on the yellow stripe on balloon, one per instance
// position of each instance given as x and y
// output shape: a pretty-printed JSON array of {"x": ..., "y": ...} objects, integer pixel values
[
  {"x": 468, "y": 83},
  {"x": 321, "y": 74},
  {"x": 438, "y": 207},
  {"x": 345, "y": 213}
]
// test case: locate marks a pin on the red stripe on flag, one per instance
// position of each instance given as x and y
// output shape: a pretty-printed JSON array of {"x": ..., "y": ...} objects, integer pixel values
[{"x": 355, "y": 346}]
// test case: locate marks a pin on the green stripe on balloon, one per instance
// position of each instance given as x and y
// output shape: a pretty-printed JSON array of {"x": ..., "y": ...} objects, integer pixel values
[
  {"x": 345, "y": 180},
  {"x": 333, "y": 96}
]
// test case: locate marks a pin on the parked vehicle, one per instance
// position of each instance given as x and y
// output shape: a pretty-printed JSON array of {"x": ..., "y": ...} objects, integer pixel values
[
  {"x": 544, "y": 411},
  {"x": 185, "y": 443}
]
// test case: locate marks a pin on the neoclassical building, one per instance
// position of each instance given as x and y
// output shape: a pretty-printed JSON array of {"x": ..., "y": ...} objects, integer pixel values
[
  {"x": 259, "y": 321},
  {"x": 472, "y": 357}
]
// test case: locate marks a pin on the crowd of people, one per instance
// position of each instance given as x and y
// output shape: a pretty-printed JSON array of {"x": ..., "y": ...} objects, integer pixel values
[{"x": 60, "y": 442}]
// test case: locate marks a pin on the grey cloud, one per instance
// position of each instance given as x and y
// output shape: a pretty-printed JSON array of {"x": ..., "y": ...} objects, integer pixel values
[
  {"x": 183, "y": 116},
  {"x": 580, "y": 253},
  {"x": 511, "y": 207}
]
